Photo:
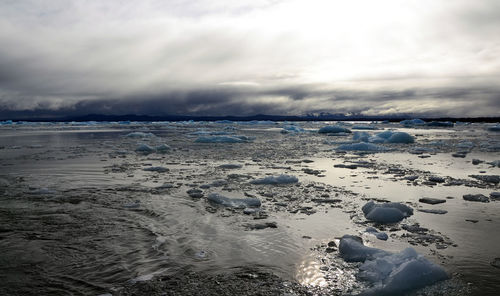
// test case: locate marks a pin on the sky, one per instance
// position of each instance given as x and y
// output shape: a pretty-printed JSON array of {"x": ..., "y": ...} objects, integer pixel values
[{"x": 207, "y": 57}]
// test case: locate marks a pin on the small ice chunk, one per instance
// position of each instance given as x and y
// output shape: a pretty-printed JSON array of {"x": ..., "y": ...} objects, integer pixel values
[
  {"x": 487, "y": 178},
  {"x": 158, "y": 169},
  {"x": 410, "y": 122},
  {"x": 142, "y": 278},
  {"x": 386, "y": 212},
  {"x": 166, "y": 186},
  {"x": 385, "y": 215},
  {"x": 432, "y": 201},
  {"x": 433, "y": 211},
  {"x": 421, "y": 150},
  {"x": 219, "y": 183},
  {"x": 403, "y": 208},
  {"x": 195, "y": 193},
  {"x": 378, "y": 235},
  {"x": 400, "y": 138},
  {"x": 476, "y": 197},
  {"x": 140, "y": 135},
  {"x": 133, "y": 205},
  {"x": 395, "y": 274},
  {"x": 292, "y": 128},
  {"x": 333, "y": 129},
  {"x": 351, "y": 249},
  {"x": 494, "y": 128},
  {"x": 163, "y": 148},
  {"x": 495, "y": 195},
  {"x": 234, "y": 202},
  {"x": 230, "y": 166},
  {"x": 385, "y": 134},
  {"x": 275, "y": 180},
  {"x": 361, "y": 147},
  {"x": 436, "y": 179},
  {"x": 361, "y": 136},
  {"x": 144, "y": 149}
]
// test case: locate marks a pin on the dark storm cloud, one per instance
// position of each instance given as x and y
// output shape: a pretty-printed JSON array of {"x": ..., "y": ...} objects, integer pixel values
[{"x": 226, "y": 58}]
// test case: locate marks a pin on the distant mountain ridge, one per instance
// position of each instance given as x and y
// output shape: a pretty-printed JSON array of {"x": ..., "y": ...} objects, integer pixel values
[{"x": 259, "y": 117}]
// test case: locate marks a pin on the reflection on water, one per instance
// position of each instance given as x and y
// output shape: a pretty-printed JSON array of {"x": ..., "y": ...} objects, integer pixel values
[{"x": 310, "y": 274}]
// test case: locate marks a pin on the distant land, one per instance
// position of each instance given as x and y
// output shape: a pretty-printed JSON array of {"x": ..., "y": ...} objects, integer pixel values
[{"x": 260, "y": 117}]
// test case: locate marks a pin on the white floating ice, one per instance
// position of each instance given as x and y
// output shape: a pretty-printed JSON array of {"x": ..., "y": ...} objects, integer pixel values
[
  {"x": 388, "y": 273},
  {"x": 144, "y": 149},
  {"x": 398, "y": 273},
  {"x": 274, "y": 180},
  {"x": 391, "y": 212},
  {"x": 158, "y": 169},
  {"x": 410, "y": 122},
  {"x": 333, "y": 129},
  {"x": 140, "y": 135},
  {"x": 351, "y": 249},
  {"x": 400, "y": 138},
  {"x": 163, "y": 148}
]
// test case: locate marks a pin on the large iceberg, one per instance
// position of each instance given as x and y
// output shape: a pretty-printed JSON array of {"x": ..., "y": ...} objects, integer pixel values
[{"x": 274, "y": 180}]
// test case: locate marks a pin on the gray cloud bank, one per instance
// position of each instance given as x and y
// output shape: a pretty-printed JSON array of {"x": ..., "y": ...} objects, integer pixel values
[{"x": 435, "y": 58}]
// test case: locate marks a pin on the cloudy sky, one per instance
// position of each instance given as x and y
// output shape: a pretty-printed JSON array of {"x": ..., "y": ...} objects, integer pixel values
[{"x": 226, "y": 57}]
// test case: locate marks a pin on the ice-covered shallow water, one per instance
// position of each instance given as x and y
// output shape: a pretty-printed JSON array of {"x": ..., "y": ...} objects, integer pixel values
[{"x": 79, "y": 214}]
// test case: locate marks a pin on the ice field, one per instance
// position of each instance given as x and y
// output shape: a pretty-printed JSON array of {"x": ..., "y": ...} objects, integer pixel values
[{"x": 285, "y": 208}]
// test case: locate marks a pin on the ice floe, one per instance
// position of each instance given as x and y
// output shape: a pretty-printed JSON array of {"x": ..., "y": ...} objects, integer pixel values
[
  {"x": 163, "y": 148},
  {"x": 144, "y": 149},
  {"x": 275, "y": 180},
  {"x": 391, "y": 212},
  {"x": 390, "y": 273},
  {"x": 140, "y": 135},
  {"x": 476, "y": 197},
  {"x": 494, "y": 128},
  {"x": 157, "y": 169},
  {"x": 410, "y": 122},
  {"x": 292, "y": 129},
  {"x": 395, "y": 274}
]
